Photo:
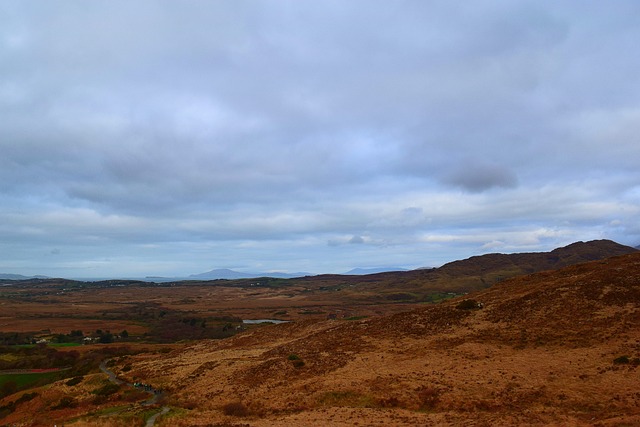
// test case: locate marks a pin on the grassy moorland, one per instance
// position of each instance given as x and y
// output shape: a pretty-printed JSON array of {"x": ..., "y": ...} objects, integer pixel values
[
  {"x": 167, "y": 312},
  {"x": 552, "y": 348},
  {"x": 401, "y": 348}
]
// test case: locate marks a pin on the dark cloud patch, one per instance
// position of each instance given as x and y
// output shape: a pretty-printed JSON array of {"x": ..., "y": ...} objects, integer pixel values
[
  {"x": 255, "y": 132},
  {"x": 477, "y": 177},
  {"x": 356, "y": 240}
]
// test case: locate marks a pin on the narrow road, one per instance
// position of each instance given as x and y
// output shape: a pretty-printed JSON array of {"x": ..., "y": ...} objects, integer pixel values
[
  {"x": 155, "y": 396},
  {"x": 151, "y": 421},
  {"x": 112, "y": 376}
]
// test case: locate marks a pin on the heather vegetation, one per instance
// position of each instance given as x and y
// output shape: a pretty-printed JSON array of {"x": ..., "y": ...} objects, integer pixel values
[{"x": 408, "y": 354}]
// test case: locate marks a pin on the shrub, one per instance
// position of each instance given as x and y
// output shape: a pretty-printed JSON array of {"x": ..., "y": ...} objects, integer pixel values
[
  {"x": 468, "y": 304},
  {"x": 236, "y": 409},
  {"x": 622, "y": 360},
  {"x": 74, "y": 381},
  {"x": 106, "y": 390},
  {"x": 106, "y": 338},
  {"x": 26, "y": 397},
  {"x": 7, "y": 409},
  {"x": 296, "y": 361},
  {"x": 66, "y": 402}
]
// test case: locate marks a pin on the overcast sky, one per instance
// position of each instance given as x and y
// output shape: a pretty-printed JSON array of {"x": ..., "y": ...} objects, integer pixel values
[{"x": 174, "y": 137}]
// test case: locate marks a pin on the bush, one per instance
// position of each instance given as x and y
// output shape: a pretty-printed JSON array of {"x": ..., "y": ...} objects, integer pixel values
[
  {"x": 74, "y": 381},
  {"x": 236, "y": 409},
  {"x": 106, "y": 338},
  {"x": 469, "y": 304},
  {"x": 107, "y": 390},
  {"x": 66, "y": 402},
  {"x": 26, "y": 397},
  {"x": 622, "y": 360},
  {"x": 296, "y": 361}
]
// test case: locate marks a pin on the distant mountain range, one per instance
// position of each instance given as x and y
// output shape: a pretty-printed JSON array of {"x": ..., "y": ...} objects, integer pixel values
[
  {"x": 482, "y": 269},
  {"x": 225, "y": 273},
  {"x": 490, "y": 266},
  {"x": 6, "y": 276},
  {"x": 363, "y": 271}
]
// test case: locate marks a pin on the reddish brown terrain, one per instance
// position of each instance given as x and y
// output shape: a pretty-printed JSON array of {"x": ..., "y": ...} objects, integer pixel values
[
  {"x": 551, "y": 348},
  {"x": 60, "y": 305},
  {"x": 556, "y": 348}
]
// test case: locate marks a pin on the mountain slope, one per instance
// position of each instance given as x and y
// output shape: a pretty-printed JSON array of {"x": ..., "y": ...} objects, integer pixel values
[
  {"x": 541, "y": 351},
  {"x": 227, "y": 274},
  {"x": 472, "y": 274},
  {"x": 496, "y": 265}
]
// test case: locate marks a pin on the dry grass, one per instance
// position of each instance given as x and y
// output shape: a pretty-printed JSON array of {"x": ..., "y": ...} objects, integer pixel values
[{"x": 541, "y": 351}]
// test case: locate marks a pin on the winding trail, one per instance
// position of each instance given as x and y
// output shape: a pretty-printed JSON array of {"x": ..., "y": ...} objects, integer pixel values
[
  {"x": 151, "y": 421},
  {"x": 155, "y": 396}
]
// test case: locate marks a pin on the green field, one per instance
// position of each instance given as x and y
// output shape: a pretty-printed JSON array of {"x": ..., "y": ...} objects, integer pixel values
[
  {"x": 26, "y": 380},
  {"x": 51, "y": 344}
]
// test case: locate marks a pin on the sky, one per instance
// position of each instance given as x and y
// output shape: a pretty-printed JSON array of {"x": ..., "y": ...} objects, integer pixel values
[{"x": 171, "y": 138}]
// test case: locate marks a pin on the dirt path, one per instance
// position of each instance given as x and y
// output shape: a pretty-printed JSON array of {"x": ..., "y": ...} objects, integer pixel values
[
  {"x": 155, "y": 394},
  {"x": 112, "y": 376},
  {"x": 151, "y": 421}
]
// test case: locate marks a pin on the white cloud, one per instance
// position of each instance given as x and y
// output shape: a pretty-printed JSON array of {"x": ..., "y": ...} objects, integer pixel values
[{"x": 424, "y": 132}]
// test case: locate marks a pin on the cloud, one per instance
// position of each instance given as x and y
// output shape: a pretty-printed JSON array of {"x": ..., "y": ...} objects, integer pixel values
[
  {"x": 144, "y": 135},
  {"x": 476, "y": 177},
  {"x": 356, "y": 240}
]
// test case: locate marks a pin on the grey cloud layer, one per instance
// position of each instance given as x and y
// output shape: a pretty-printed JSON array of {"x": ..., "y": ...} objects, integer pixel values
[{"x": 382, "y": 128}]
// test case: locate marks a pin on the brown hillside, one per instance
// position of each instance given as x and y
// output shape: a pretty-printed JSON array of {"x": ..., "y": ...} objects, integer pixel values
[
  {"x": 552, "y": 348},
  {"x": 492, "y": 268},
  {"x": 472, "y": 274}
]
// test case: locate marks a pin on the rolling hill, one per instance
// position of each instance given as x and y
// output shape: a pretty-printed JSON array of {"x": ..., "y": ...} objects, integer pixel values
[
  {"x": 551, "y": 348},
  {"x": 557, "y": 346},
  {"x": 472, "y": 274}
]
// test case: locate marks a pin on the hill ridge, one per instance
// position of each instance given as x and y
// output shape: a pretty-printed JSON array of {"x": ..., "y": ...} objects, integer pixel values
[{"x": 550, "y": 348}]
